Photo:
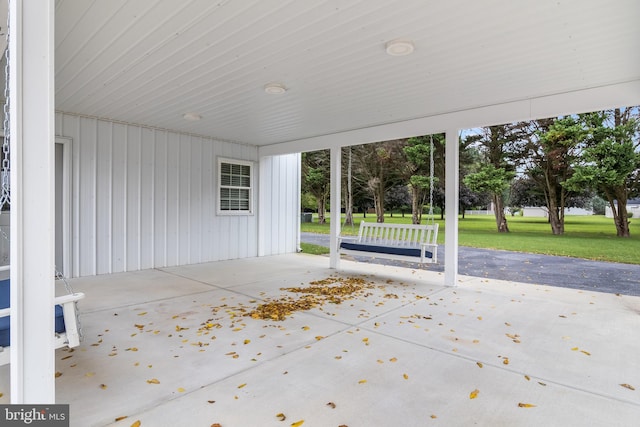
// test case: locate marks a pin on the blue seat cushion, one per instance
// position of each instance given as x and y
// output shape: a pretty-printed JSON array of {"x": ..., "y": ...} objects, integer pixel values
[
  {"x": 4, "y": 321},
  {"x": 415, "y": 252}
]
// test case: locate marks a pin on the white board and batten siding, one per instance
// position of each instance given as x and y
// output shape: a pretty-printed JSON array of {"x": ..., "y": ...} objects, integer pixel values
[
  {"x": 279, "y": 204},
  {"x": 146, "y": 198}
]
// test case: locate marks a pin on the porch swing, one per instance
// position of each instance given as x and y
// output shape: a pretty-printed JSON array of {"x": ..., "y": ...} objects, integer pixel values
[
  {"x": 67, "y": 329},
  {"x": 403, "y": 242}
]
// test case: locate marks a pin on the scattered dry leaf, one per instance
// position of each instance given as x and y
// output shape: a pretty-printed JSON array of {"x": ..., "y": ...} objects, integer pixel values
[
  {"x": 362, "y": 381},
  {"x": 136, "y": 424},
  {"x": 216, "y": 425},
  {"x": 153, "y": 381},
  {"x": 630, "y": 387},
  {"x": 527, "y": 377},
  {"x": 474, "y": 394},
  {"x": 58, "y": 374},
  {"x": 405, "y": 376},
  {"x": 480, "y": 365},
  {"x": 393, "y": 359},
  {"x": 247, "y": 342},
  {"x": 585, "y": 352},
  {"x": 181, "y": 390},
  {"x": 297, "y": 423},
  {"x": 242, "y": 385},
  {"x": 505, "y": 361},
  {"x": 103, "y": 386},
  {"x": 281, "y": 416},
  {"x": 526, "y": 405},
  {"x": 331, "y": 405},
  {"x": 433, "y": 416},
  {"x": 121, "y": 418}
]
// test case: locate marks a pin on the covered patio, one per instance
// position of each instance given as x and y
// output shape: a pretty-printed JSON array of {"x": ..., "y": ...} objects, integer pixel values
[
  {"x": 174, "y": 346},
  {"x": 130, "y": 120}
]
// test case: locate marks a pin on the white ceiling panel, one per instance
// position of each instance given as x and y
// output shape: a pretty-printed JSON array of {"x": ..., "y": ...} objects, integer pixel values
[{"x": 149, "y": 62}]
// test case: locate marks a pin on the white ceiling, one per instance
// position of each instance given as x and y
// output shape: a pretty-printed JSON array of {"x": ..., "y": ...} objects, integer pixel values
[{"x": 151, "y": 61}]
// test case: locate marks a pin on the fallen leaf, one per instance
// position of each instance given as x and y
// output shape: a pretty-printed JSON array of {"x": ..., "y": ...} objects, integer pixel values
[
  {"x": 153, "y": 381},
  {"x": 393, "y": 359},
  {"x": 142, "y": 314},
  {"x": 136, "y": 424},
  {"x": 305, "y": 328},
  {"x": 247, "y": 342},
  {"x": 574, "y": 349},
  {"x": 242, "y": 385},
  {"x": 630, "y": 387},
  {"x": 319, "y": 337},
  {"x": 505, "y": 361},
  {"x": 585, "y": 352},
  {"x": 281, "y": 416},
  {"x": 527, "y": 377},
  {"x": 58, "y": 374},
  {"x": 181, "y": 390},
  {"x": 362, "y": 381},
  {"x": 297, "y": 423},
  {"x": 121, "y": 418},
  {"x": 526, "y": 405},
  {"x": 216, "y": 425},
  {"x": 331, "y": 405},
  {"x": 103, "y": 386},
  {"x": 474, "y": 394},
  {"x": 480, "y": 365},
  {"x": 211, "y": 401}
]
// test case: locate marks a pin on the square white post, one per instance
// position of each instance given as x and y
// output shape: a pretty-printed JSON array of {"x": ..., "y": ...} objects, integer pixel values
[
  {"x": 335, "y": 200},
  {"x": 32, "y": 132},
  {"x": 452, "y": 195}
]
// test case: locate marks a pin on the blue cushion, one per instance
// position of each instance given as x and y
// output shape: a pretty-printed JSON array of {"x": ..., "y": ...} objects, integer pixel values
[
  {"x": 4, "y": 321},
  {"x": 415, "y": 252}
]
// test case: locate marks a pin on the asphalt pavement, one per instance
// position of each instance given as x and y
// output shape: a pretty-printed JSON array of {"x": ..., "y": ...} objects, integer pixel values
[{"x": 550, "y": 270}]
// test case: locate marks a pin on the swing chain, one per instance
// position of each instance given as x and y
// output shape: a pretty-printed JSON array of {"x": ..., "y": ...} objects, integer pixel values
[
  {"x": 431, "y": 165},
  {"x": 5, "y": 190}
]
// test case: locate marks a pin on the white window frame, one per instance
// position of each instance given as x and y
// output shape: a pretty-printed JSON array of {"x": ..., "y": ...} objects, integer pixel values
[{"x": 252, "y": 168}]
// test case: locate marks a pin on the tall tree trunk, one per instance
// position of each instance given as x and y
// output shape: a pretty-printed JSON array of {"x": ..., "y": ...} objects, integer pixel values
[
  {"x": 556, "y": 219},
  {"x": 416, "y": 205},
  {"x": 321, "y": 210},
  {"x": 378, "y": 200},
  {"x": 501, "y": 219},
  {"x": 620, "y": 216},
  {"x": 348, "y": 219}
]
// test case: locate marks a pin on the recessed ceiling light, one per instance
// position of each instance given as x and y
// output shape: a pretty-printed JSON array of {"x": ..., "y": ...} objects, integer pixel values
[
  {"x": 275, "y": 89},
  {"x": 399, "y": 47},
  {"x": 191, "y": 117}
]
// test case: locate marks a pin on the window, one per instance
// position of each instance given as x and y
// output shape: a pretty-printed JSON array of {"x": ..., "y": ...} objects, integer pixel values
[{"x": 235, "y": 182}]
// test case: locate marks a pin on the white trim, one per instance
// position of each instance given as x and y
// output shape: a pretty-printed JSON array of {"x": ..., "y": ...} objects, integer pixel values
[
  {"x": 32, "y": 125},
  {"x": 452, "y": 193},
  {"x": 251, "y": 188},
  {"x": 581, "y": 101},
  {"x": 336, "y": 201},
  {"x": 67, "y": 156}
]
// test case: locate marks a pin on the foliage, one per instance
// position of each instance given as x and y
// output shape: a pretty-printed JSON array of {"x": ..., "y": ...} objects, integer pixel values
[
  {"x": 610, "y": 161},
  {"x": 316, "y": 168}
]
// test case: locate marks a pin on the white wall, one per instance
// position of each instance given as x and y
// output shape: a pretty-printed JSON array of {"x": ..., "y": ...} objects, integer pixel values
[
  {"x": 279, "y": 204},
  {"x": 145, "y": 198}
]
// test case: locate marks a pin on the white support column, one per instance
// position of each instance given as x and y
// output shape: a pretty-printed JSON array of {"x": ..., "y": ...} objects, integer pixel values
[
  {"x": 336, "y": 185},
  {"x": 452, "y": 167},
  {"x": 32, "y": 200}
]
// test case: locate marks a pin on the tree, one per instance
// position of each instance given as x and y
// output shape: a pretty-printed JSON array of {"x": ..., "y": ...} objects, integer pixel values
[
  {"x": 501, "y": 148},
  {"x": 348, "y": 200},
  {"x": 316, "y": 177},
  {"x": 378, "y": 166},
  {"x": 553, "y": 148},
  {"x": 397, "y": 197},
  {"x": 495, "y": 181},
  {"x": 610, "y": 162}
]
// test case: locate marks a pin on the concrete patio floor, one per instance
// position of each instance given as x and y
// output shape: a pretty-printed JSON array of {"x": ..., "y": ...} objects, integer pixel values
[{"x": 172, "y": 347}]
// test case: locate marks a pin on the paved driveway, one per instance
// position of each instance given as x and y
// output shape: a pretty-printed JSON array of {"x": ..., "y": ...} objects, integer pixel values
[{"x": 527, "y": 268}]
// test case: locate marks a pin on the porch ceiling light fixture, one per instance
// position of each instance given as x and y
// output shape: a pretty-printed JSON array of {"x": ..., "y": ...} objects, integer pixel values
[
  {"x": 275, "y": 89},
  {"x": 191, "y": 117},
  {"x": 399, "y": 47}
]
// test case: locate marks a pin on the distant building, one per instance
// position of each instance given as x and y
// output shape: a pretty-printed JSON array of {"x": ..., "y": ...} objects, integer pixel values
[{"x": 633, "y": 207}]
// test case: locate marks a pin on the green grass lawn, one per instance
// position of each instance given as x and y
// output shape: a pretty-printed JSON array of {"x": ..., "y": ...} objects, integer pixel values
[{"x": 589, "y": 237}]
